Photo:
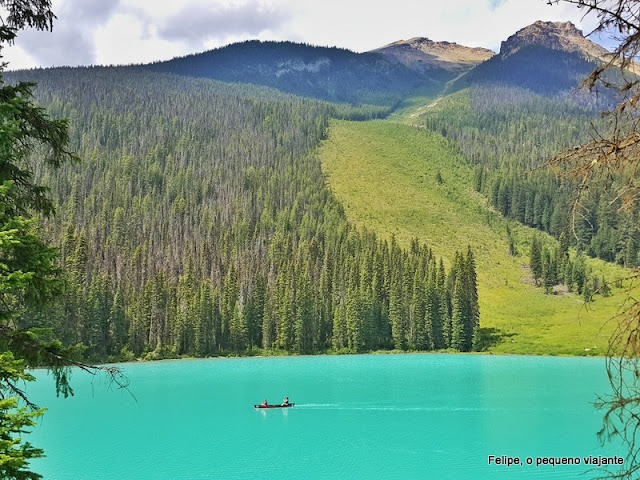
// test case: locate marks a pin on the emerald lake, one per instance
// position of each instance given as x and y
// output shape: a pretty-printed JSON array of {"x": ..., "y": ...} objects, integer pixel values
[{"x": 356, "y": 417}]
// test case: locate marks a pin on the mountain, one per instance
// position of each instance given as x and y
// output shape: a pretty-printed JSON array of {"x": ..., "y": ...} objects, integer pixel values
[
  {"x": 201, "y": 220},
  {"x": 562, "y": 36},
  {"x": 548, "y": 58},
  {"x": 424, "y": 55},
  {"x": 484, "y": 185},
  {"x": 330, "y": 74},
  {"x": 200, "y": 223},
  {"x": 513, "y": 113}
]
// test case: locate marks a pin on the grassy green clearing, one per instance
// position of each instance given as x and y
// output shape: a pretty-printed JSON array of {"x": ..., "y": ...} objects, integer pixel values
[{"x": 385, "y": 173}]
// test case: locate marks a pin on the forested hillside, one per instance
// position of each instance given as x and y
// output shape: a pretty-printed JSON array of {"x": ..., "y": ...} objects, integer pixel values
[
  {"x": 535, "y": 68},
  {"x": 410, "y": 182},
  {"x": 331, "y": 74},
  {"x": 513, "y": 114},
  {"x": 510, "y": 140},
  {"x": 199, "y": 223}
]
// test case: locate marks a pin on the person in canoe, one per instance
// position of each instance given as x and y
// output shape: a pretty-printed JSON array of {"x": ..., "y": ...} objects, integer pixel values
[
  {"x": 264, "y": 402},
  {"x": 285, "y": 401}
]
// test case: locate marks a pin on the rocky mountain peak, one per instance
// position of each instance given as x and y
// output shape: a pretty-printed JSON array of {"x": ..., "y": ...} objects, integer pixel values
[
  {"x": 563, "y": 36},
  {"x": 422, "y": 54}
]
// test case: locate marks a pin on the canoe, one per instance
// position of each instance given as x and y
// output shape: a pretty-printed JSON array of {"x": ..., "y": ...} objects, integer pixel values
[{"x": 274, "y": 406}]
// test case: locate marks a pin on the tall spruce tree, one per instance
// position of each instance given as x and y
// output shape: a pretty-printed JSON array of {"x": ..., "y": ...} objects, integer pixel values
[
  {"x": 535, "y": 261},
  {"x": 305, "y": 316},
  {"x": 471, "y": 287},
  {"x": 29, "y": 280},
  {"x": 397, "y": 316},
  {"x": 459, "y": 321}
]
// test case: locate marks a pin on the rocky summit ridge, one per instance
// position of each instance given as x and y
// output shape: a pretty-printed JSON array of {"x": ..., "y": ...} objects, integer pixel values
[
  {"x": 564, "y": 36},
  {"x": 422, "y": 54}
]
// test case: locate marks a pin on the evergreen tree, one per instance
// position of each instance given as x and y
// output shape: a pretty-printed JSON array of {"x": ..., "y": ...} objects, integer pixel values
[
  {"x": 579, "y": 272},
  {"x": 117, "y": 324},
  {"x": 204, "y": 331},
  {"x": 353, "y": 313},
  {"x": 547, "y": 270},
  {"x": 535, "y": 256},
  {"x": 29, "y": 280},
  {"x": 230, "y": 295},
  {"x": 339, "y": 340},
  {"x": 439, "y": 311},
  {"x": 458, "y": 320},
  {"x": 471, "y": 293},
  {"x": 285, "y": 317},
  {"x": 305, "y": 316},
  {"x": 397, "y": 315},
  {"x": 238, "y": 331},
  {"x": 418, "y": 332}
]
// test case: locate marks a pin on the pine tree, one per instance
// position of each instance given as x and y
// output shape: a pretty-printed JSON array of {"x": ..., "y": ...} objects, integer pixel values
[
  {"x": 353, "y": 312},
  {"x": 547, "y": 271},
  {"x": 117, "y": 324},
  {"x": 579, "y": 272},
  {"x": 230, "y": 293},
  {"x": 158, "y": 316},
  {"x": 458, "y": 320},
  {"x": 535, "y": 256},
  {"x": 269, "y": 322},
  {"x": 438, "y": 310},
  {"x": 204, "y": 331},
  {"x": 417, "y": 313},
  {"x": 285, "y": 317},
  {"x": 471, "y": 293},
  {"x": 339, "y": 340},
  {"x": 254, "y": 310},
  {"x": 305, "y": 315},
  {"x": 428, "y": 329},
  {"x": 217, "y": 321},
  {"x": 325, "y": 311},
  {"x": 563, "y": 251},
  {"x": 396, "y": 314},
  {"x": 238, "y": 331}
]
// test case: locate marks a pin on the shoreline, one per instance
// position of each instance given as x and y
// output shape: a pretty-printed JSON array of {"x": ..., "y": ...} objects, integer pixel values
[{"x": 380, "y": 352}]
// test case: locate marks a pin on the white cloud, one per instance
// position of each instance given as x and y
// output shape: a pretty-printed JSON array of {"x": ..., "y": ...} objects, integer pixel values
[
  {"x": 72, "y": 39},
  {"x": 363, "y": 26},
  {"x": 18, "y": 58},
  {"x": 126, "y": 31},
  {"x": 196, "y": 24},
  {"x": 127, "y": 39}
]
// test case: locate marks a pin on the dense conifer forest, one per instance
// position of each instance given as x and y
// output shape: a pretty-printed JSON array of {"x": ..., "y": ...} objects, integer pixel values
[
  {"x": 199, "y": 223},
  {"x": 327, "y": 73},
  {"x": 508, "y": 133},
  {"x": 535, "y": 68}
]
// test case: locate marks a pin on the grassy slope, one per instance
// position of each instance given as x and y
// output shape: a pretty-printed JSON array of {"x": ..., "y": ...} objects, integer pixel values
[{"x": 385, "y": 175}]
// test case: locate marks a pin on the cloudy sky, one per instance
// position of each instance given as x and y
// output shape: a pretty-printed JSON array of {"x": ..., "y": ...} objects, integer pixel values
[{"x": 109, "y": 32}]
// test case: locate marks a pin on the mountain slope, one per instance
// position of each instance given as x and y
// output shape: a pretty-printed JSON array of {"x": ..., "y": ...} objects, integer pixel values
[
  {"x": 437, "y": 58},
  {"x": 561, "y": 36},
  {"x": 332, "y": 74},
  {"x": 199, "y": 223},
  {"x": 386, "y": 175},
  {"x": 519, "y": 109},
  {"x": 546, "y": 57}
]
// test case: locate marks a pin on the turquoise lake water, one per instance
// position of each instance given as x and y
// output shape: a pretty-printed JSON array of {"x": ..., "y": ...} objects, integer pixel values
[{"x": 356, "y": 417}]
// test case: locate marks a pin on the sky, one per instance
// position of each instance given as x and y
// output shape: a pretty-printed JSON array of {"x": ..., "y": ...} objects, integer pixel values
[{"x": 117, "y": 32}]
